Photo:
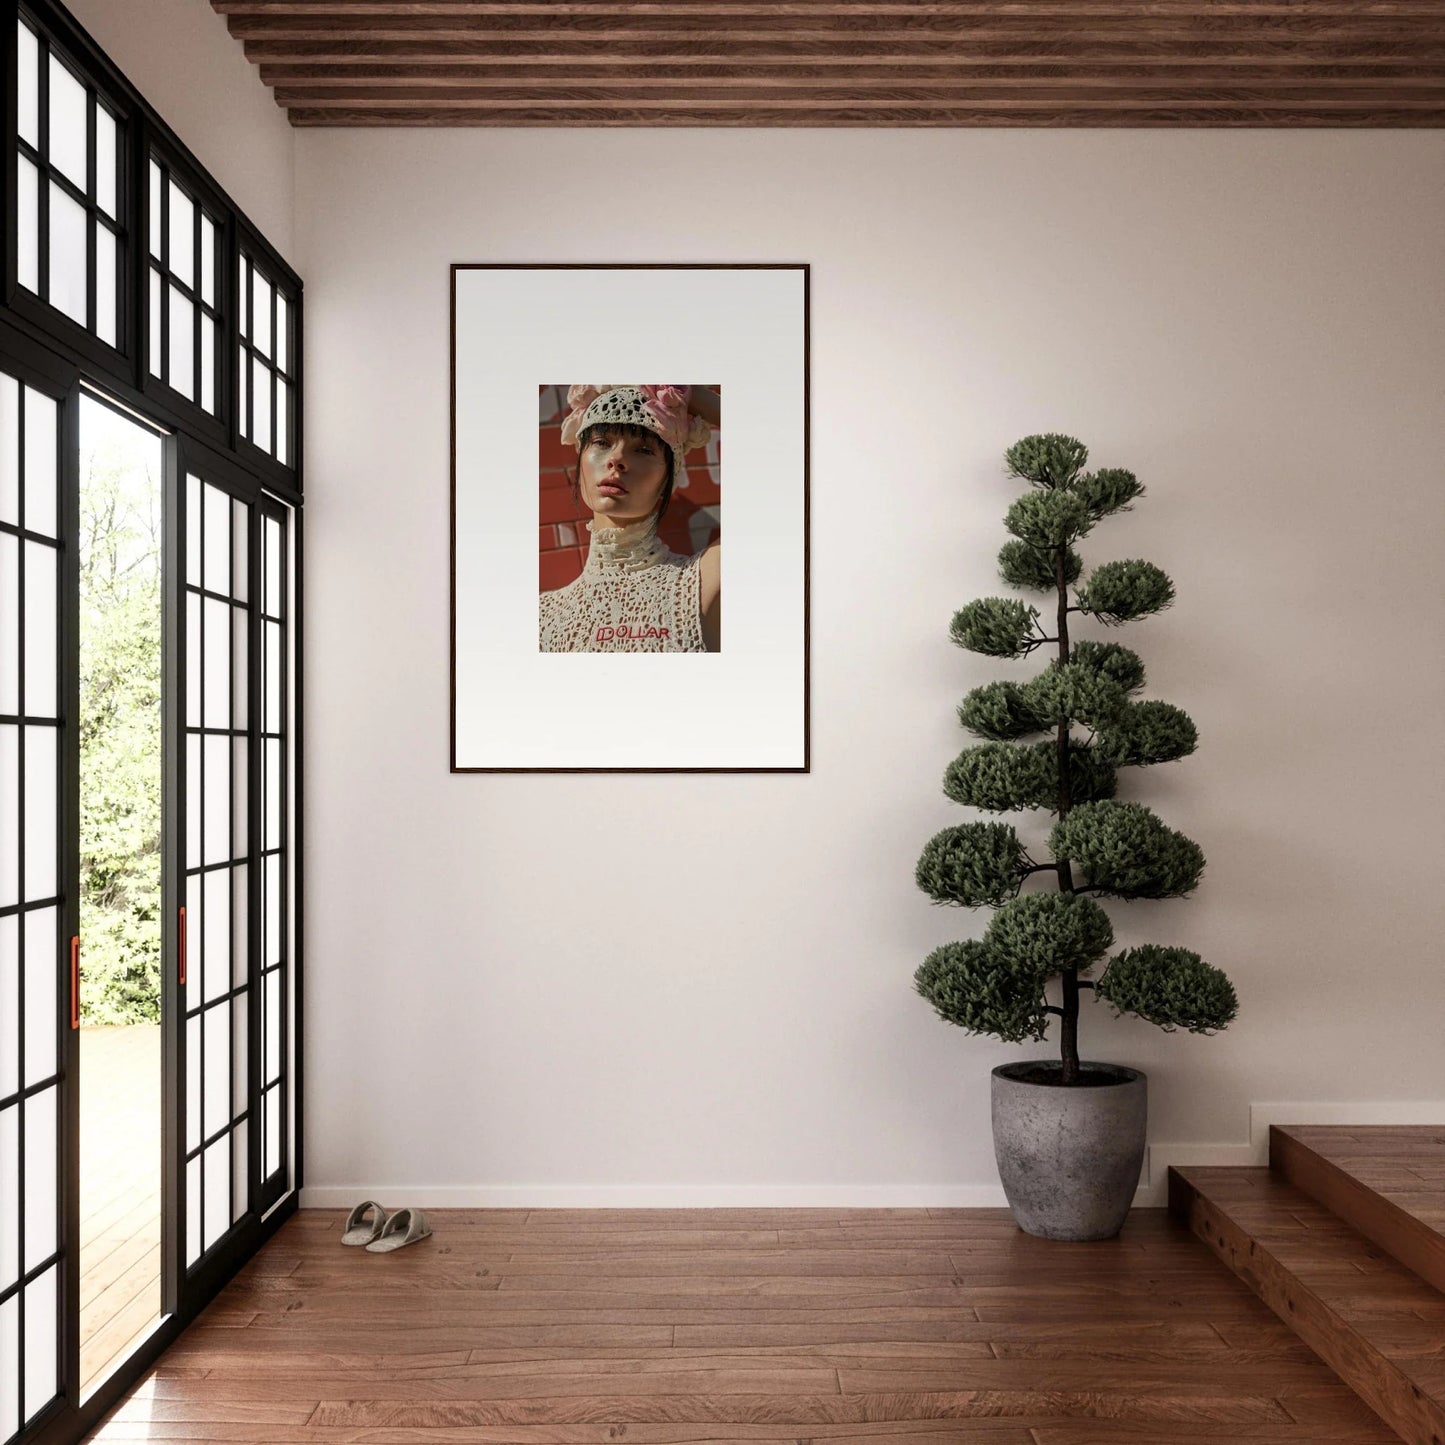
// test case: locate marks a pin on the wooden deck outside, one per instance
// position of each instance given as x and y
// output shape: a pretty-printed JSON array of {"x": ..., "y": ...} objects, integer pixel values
[{"x": 120, "y": 1194}]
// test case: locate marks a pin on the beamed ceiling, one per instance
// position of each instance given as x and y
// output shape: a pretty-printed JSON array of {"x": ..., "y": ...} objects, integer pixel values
[{"x": 850, "y": 62}]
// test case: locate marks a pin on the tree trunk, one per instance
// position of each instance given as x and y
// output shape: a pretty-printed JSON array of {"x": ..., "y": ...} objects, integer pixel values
[{"x": 1069, "y": 1024}]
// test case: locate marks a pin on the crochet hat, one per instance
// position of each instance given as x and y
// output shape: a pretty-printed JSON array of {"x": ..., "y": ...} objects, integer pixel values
[{"x": 661, "y": 409}]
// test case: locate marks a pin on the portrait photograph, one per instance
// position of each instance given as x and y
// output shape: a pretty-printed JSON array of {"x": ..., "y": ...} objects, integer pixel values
[{"x": 589, "y": 631}]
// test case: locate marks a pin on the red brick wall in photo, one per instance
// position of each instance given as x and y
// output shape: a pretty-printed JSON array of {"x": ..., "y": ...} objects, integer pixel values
[{"x": 694, "y": 516}]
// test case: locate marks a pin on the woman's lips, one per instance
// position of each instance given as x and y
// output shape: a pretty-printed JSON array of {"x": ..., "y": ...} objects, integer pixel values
[{"x": 612, "y": 489}]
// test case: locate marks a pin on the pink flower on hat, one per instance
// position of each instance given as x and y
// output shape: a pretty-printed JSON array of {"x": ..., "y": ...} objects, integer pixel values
[
  {"x": 668, "y": 406},
  {"x": 579, "y": 398}
]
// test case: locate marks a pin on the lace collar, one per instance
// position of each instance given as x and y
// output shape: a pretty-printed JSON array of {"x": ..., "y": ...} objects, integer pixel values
[{"x": 627, "y": 549}]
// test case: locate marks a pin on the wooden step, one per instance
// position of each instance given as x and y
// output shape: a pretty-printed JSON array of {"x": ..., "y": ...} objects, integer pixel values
[
  {"x": 1388, "y": 1182},
  {"x": 1377, "y": 1324}
]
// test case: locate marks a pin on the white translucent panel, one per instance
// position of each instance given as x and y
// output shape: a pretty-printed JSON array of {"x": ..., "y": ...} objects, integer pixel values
[
  {"x": 40, "y": 1303},
  {"x": 217, "y": 684},
  {"x": 68, "y": 105},
  {"x": 9, "y": 624},
  {"x": 217, "y": 824},
  {"x": 217, "y": 1109},
  {"x": 157, "y": 349},
  {"x": 42, "y": 1003},
  {"x": 208, "y": 364},
  {"x": 40, "y": 780},
  {"x": 240, "y": 777},
  {"x": 193, "y": 529},
  {"x": 272, "y": 953},
  {"x": 9, "y": 449},
  {"x": 40, "y": 623},
  {"x": 193, "y": 800},
  {"x": 9, "y": 814},
  {"x": 105, "y": 160},
  {"x": 260, "y": 404},
  {"x": 273, "y": 568},
  {"x": 27, "y": 225},
  {"x": 240, "y": 668},
  {"x": 218, "y": 935},
  {"x": 156, "y": 190},
  {"x": 218, "y": 542},
  {"x": 218, "y": 1190},
  {"x": 243, "y": 377},
  {"x": 193, "y": 660},
  {"x": 193, "y": 1210},
  {"x": 283, "y": 429},
  {"x": 182, "y": 357},
  {"x": 240, "y": 532},
  {"x": 272, "y": 1132},
  {"x": 261, "y": 315},
  {"x": 240, "y": 1061},
  {"x": 9, "y": 1016},
  {"x": 105, "y": 306},
  {"x": 195, "y": 939},
  {"x": 243, "y": 313},
  {"x": 240, "y": 1169},
  {"x": 272, "y": 715},
  {"x": 182, "y": 259},
  {"x": 240, "y": 925},
  {"x": 271, "y": 1010},
  {"x": 40, "y": 458},
  {"x": 208, "y": 260},
  {"x": 283, "y": 333},
  {"x": 27, "y": 105},
  {"x": 10, "y": 1365},
  {"x": 193, "y": 1083},
  {"x": 41, "y": 1163},
  {"x": 9, "y": 1198},
  {"x": 272, "y": 830},
  {"x": 68, "y": 269}
]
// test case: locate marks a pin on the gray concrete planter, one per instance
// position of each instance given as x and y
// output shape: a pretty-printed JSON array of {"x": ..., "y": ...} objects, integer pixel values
[{"x": 1069, "y": 1158}]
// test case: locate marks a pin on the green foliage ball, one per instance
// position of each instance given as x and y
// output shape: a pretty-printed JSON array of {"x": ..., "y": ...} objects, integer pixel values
[
  {"x": 973, "y": 864},
  {"x": 1125, "y": 591},
  {"x": 1147, "y": 732},
  {"x": 1113, "y": 661},
  {"x": 982, "y": 994},
  {"x": 1171, "y": 987},
  {"x": 1048, "y": 519},
  {"x": 1127, "y": 852},
  {"x": 1003, "y": 777},
  {"x": 1109, "y": 490},
  {"x": 998, "y": 710},
  {"x": 1073, "y": 692},
  {"x": 1049, "y": 459},
  {"x": 994, "y": 626},
  {"x": 1046, "y": 933},
  {"x": 1021, "y": 565}
]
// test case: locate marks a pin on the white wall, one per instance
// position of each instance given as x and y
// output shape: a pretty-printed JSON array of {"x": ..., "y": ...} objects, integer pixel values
[
  {"x": 181, "y": 57},
  {"x": 1252, "y": 321}
]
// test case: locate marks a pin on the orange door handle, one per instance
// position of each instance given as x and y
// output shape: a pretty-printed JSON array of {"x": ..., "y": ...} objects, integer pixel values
[
  {"x": 181, "y": 946},
  {"x": 75, "y": 983}
]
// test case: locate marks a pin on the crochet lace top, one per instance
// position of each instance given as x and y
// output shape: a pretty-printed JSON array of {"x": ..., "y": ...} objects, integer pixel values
[{"x": 634, "y": 595}]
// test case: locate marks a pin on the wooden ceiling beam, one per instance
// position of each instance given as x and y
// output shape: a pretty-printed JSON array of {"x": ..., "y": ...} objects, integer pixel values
[{"x": 841, "y": 12}]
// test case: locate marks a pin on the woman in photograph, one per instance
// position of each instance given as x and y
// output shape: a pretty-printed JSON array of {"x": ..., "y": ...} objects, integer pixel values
[{"x": 635, "y": 594}]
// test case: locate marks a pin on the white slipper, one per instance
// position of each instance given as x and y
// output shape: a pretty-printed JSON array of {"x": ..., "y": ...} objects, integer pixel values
[
  {"x": 404, "y": 1227},
  {"x": 360, "y": 1230}
]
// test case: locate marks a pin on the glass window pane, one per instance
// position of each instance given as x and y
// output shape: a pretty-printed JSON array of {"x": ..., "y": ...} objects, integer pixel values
[
  {"x": 40, "y": 460},
  {"x": 193, "y": 801},
  {"x": 158, "y": 351},
  {"x": 195, "y": 943},
  {"x": 183, "y": 345},
  {"x": 273, "y": 568},
  {"x": 9, "y": 451},
  {"x": 67, "y": 255},
  {"x": 272, "y": 944},
  {"x": 41, "y": 1016},
  {"x": 218, "y": 544},
  {"x": 261, "y": 314},
  {"x": 193, "y": 530},
  {"x": 217, "y": 1111},
  {"x": 239, "y": 668},
  {"x": 9, "y": 814},
  {"x": 208, "y": 364},
  {"x": 218, "y": 941},
  {"x": 260, "y": 404},
  {"x": 193, "y": 660},
  {"x": 243, "y": 372},
  {"x": 9, "y": 1352},
  {"x": 218, "y": 666},
  {"x": 68, "y": 102},
  {"x": 273, "y": 1132},
  {"x": 182, "y": 259},
  {"x": 240, "y": 527},
  {"x": 40, "y": 791},
  {"x": 105, "y": 311},
  {"x": 9, "y": 1199},
  {"x": 41, "y": 1353},
  {"x": 243, "y": 313},
  {"x": 27, "y": 222},
  {"x": 271, "y": 993},
  {"x": 240, "y": 935},
  {"x": 39, "y": 1186},
  {"x": 272, "y": 830},
  {"x": 240, "y": 1156},
  {"x": 218, "y": 802},
  {"x": 40, "y": 654},
  {"x": 193, "y": 1076},
  {"x": 272, "y": 721},
  {"x": 193, "y": 1208},
  {"x": 208, "y": 260},
  {"x": 9, "y": 636},
  {"x": 218, "y": 1190},
  {"x": 283, "y": 332},
  {"x": 27, "y": 94},
  {"x": 283, "y": 414},
  {"x": 157, "y": 190},
  {"x": 105, "y": 160}
]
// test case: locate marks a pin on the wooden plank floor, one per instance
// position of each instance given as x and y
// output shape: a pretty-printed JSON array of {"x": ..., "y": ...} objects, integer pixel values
[
  {"x": 120, "y": 1193},
  {"x": 1404, "y": 1164},
  {"x": 571, "y": 1326}
]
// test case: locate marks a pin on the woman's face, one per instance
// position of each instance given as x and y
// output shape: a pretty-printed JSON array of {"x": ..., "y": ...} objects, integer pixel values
[{"x": 622, "y": 476}]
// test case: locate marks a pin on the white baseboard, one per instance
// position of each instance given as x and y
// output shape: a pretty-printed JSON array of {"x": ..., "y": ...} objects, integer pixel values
[{"x": 1153, "y": 1187}]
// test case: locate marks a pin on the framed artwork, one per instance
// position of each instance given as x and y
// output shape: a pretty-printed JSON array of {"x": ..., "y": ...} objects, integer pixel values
[{"x": 596, "y": 624}]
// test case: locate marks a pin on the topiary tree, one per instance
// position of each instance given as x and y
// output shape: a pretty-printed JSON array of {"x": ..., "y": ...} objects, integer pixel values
[{"x": 998, "y": 984}]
